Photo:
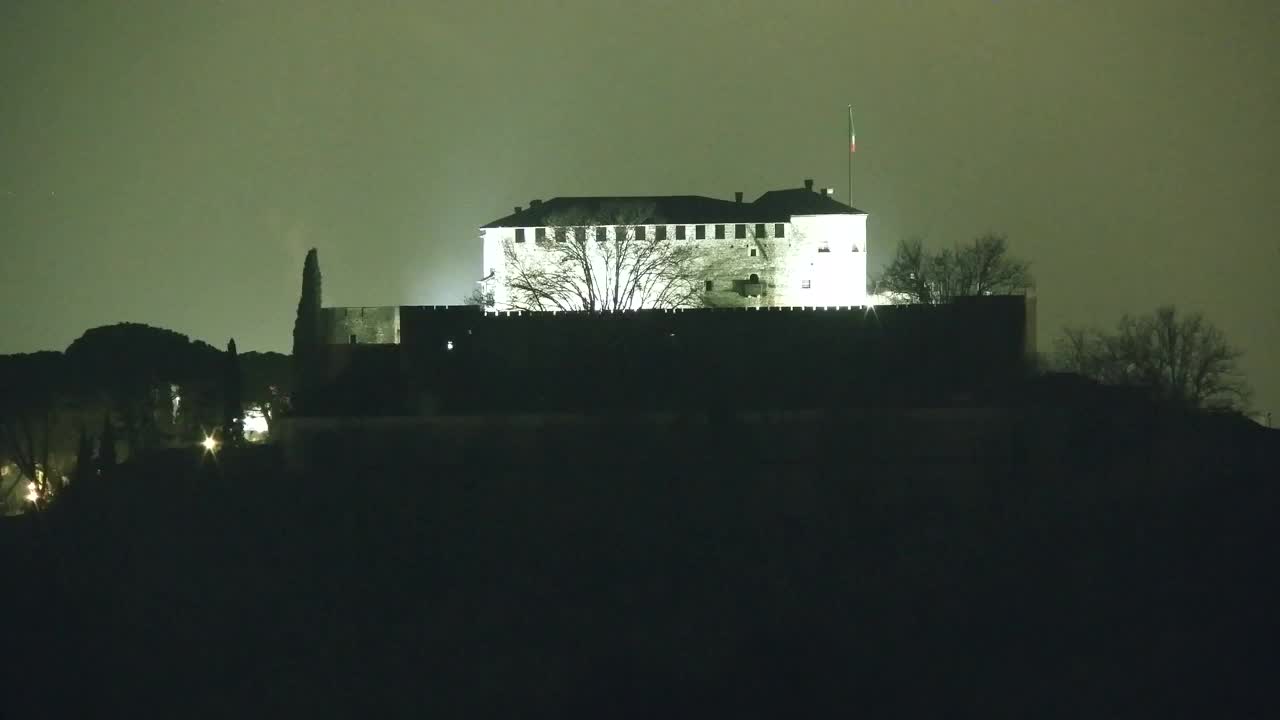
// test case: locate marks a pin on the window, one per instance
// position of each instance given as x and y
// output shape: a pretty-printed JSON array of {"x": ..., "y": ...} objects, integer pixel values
[
  {"x": 660, "y": 232},
  {"x": 640, "y": 232},
  {"x": 540, "y": 234},
  {"x": 620, "y": 233},
  {"x": 560, "y": 234},
  {"x": 753, "y": 252},
  {"x": 700, "y": 232},
  {"x": 602, "y": 234},
  {"x": 739, "y": 231},
  {"x": 519, "y": 234},
  {"x": 708, "y": 285},
  {"x": 760, "y": 230},
  {"x": 779, "y": 230},
  {"x": 754, "y": 278},
  {"x": 580, "y": 234},
  {"x": 679, "y": 232},
  {"x": 804, "y": 284},
  {"x": 719, "y": 232}
]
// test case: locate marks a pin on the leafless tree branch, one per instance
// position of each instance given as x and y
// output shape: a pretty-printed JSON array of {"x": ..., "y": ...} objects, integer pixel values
[
  {"x": 630, "y": 268},
  {"x": 984, "y": 267},
  {"x": 1183, "y": 359}
]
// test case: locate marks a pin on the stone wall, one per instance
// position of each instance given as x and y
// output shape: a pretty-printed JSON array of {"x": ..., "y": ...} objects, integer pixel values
[
  {"x": 361, "y": 325},
  {"x": 464, "y": 358},
  {"x": 461, "y": 359}
]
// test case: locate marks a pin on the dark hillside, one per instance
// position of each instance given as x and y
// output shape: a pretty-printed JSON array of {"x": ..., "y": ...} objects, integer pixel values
[{"x": 1045, "y": 562}]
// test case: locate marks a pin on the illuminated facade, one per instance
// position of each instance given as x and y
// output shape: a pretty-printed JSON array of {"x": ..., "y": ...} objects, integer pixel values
[{"x": 796, "y": 247}]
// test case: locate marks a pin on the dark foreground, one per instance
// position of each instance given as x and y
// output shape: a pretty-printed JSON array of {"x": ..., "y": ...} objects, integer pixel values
[{"x": 1042, "y": 567}]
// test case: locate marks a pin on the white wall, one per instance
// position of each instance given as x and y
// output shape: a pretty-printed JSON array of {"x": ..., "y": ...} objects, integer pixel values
[
  {"x": 492, "y": 239},
  {"x": 836, "y": 277}
]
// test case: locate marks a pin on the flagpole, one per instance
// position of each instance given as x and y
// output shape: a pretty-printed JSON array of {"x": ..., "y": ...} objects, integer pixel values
[{"x": 850, "y": 156}]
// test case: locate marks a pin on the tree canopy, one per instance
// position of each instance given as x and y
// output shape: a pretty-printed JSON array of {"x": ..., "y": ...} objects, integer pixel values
[
  {"x": 154, "y": 386},
  {"x": 1183, "y": 359},
  {"x": 984, "y": 267},
  {"x": 127, "y": 352}
]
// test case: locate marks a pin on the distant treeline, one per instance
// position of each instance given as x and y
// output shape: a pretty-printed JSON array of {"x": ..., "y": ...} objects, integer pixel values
[{"x": 156, "y": 387}]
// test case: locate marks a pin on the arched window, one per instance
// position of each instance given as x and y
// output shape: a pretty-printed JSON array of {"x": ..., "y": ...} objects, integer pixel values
[{"x": 755, "y": 278}]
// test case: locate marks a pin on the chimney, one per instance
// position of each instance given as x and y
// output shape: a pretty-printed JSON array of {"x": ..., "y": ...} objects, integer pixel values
[
  {"x": 517, "y": 208},
  {"x": 808, "y": 184},
  {"x": 535, "y": 203},
  {"x": 737, "y": 197}
]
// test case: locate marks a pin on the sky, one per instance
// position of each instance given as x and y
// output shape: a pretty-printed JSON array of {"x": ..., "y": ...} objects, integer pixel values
[{"x": 170, "y": 161}]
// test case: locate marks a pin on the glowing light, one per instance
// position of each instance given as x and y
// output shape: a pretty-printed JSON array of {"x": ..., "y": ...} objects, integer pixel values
[
  {"x": 33, "y": 493},
  {"x": 175, "y": 401},
  {"x": 448, "y": 345},
  {"x": 255, "y": 423},
  {"x": 209, "y": 444}
]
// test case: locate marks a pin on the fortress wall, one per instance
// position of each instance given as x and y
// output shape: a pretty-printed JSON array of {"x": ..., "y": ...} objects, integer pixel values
[
  {"x": 739, "y": 357},
  {"x": 368, "y": 325}
]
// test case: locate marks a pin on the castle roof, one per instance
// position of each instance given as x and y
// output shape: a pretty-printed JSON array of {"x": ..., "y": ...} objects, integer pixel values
[{"x": 773, "y": 206}]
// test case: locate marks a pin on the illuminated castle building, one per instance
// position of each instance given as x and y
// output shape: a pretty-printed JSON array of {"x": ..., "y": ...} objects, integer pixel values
[
  {"x": 767, "y": 295},
  {"x": 797, "y": 247}
]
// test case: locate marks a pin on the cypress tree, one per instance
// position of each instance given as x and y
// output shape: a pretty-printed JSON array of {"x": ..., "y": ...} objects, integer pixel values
[
  {"x": 232, "y": 405},
  {"x": 306, "y": 327},
  {"x": 84, "y": 458},
  {"x": 107, "y": 446}
]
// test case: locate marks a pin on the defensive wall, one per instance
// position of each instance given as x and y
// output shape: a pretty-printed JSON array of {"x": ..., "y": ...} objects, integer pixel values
[{"x": 460, "y": 359}]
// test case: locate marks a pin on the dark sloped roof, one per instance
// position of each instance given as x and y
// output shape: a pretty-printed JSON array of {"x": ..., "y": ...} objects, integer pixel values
[
  {"x": 799, "y": 201},
  {"x": 773, "y": 206}
]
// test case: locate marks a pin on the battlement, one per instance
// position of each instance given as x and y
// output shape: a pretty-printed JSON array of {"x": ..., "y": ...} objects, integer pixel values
[
  {"x": 687, "y": 311},
  {"x": 406, "y": 324},
  {"x": 459, "y": 309}
]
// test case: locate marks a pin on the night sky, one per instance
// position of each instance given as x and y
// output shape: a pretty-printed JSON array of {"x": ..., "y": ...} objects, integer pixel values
[{"x": 169, "y": 161}]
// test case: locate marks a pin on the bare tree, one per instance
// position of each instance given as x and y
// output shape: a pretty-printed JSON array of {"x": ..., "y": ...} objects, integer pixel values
[
  {"x": 482, "y": 295},
  {"x": 909, "y": 276},
  {"x": 610, "y": 259},
  {"x": 1085, "y": 351},
  {"x": 982, "y": 268},
  {"x": 1184, "y": 359}
]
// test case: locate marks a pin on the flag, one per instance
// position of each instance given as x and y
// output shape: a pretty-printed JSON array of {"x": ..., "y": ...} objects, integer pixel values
[{"x": 853, "y": 143}]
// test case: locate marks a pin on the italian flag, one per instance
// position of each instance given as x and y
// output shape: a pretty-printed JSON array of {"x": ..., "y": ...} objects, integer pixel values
[{"x": 853, "y": 143}]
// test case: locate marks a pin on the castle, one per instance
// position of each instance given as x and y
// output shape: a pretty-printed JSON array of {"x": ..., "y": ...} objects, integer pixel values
[
  {"x": 663, "y": 301},
  {"x": 796, "y": 247},
  {"x": 791, "y": 248}
]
